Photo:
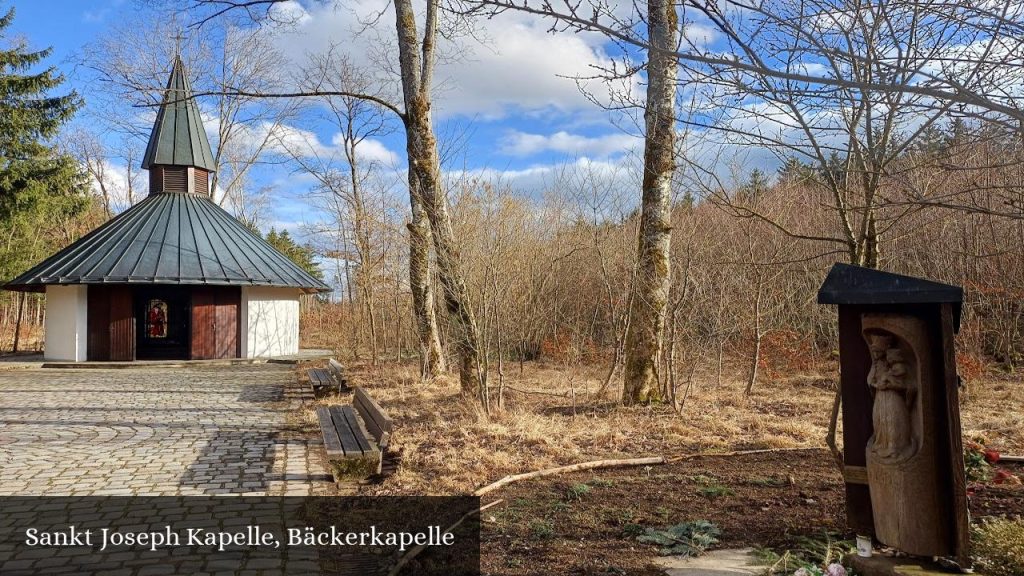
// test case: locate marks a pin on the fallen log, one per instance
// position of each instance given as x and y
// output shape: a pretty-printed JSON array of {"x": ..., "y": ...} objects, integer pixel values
[
  {"x": 649, "y": 461},
  {"x": 415, "y": 550},
  {"x": 537, "y": 392},
  {"x": 742, "y": 453}
]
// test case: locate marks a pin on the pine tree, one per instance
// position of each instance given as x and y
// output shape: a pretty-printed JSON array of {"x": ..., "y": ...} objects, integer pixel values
[
  {"x": 301, "y": 255},
  {"x": 40, "y": 186}
]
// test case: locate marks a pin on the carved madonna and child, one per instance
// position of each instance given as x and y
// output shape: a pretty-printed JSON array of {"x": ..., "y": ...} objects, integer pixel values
[
  {"x": 893, "y": 389},
  {"x": 901, "y": 461}
]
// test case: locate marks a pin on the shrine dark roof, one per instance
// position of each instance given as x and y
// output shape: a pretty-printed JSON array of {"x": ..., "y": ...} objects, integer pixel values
[
  {"x": 856, "y": 285},
  {"x": 170, "y": 239},
  {"x": 178, "y": 137}
]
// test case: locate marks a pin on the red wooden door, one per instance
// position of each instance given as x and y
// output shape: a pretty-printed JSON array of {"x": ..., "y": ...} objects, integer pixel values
[
  {"x": 98, "y": 321},
  {"x": 228, "y": 301},
  {"x": 204, "y": 337},
  {"x": 122, "y": 324},
  {"x": 111, "y": 323}
]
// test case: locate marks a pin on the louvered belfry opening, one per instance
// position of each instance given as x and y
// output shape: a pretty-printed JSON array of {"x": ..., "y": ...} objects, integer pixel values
[
  {"x": 179, "y": 180},
  {"x": 202, "y": 181}
]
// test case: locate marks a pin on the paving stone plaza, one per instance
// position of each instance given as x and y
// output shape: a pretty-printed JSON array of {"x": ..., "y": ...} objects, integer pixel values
[{"x": 155, "y": 431}]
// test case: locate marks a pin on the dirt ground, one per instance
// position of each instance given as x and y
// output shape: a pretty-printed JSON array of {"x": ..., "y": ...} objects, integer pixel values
[
  {"x": 552, "y": 526},
  {"x": 586, "y": 523}
]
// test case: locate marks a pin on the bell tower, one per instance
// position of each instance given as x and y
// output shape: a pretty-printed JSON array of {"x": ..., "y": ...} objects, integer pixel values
[{"x": 178, "y": 155}]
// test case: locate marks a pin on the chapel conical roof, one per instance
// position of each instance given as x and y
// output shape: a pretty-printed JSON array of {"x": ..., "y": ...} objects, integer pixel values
[
  {"x": 178, "y": 137},
  {"x": 181, "y": 238}
]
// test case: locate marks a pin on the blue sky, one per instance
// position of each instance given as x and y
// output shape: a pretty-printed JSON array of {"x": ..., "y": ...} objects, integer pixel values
[{"x": 511, "y": 98}]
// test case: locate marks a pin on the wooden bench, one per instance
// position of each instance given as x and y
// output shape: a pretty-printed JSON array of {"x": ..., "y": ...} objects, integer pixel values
[
  {"x": 355, "y": 437},
  {"x": 326, "y": 378}
]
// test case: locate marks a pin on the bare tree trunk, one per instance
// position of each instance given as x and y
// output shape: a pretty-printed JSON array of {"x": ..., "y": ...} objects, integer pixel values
[
  {"x": 756, "y": 358},
  {"x": 651, "y": 285},
  {"x": 425, "y": 180},
  {"x": 17, "y": 322},
  {"x": 420, "y": 282}
]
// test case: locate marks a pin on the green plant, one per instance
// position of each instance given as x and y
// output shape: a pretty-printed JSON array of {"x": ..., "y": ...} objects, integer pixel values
[
  {"x": 542, "y": 529},
  {"x": 998, "y": 545},
  {"x": 713, "y": 491},
  {"x": 709, "y": 486},
  {"x": 976, "y": 464},
  {"x": 812, "y": 553},
  {"x": 576, "y": 492},
  {"x": 686, "y": 539},
  {"x": 601, "y": 482},
  {"x": 624, "y": 516},
  {"x": 632, "y": 530},
  {"x": 768, "y": 482},
  {"x": 557, "y": 506}
]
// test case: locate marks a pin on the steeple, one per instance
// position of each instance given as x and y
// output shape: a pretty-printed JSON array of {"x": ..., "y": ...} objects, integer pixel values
[{"x": 178, "y": 155}]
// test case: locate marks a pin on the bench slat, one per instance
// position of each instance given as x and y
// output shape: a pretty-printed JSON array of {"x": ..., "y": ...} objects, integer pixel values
[
  {"x": 318, "y": 377},
  {"x": 369, "y": 444},
  {"x": 358, "y": 432},
  {"x": 332, "y": 442},
  {"x": 349, "y": 439},
  {"x": 373, "y": 409},
  {"x": 366, "y": 439},
  {"x": 377, "y": 423},
  {"x": 336, "y": 368}
]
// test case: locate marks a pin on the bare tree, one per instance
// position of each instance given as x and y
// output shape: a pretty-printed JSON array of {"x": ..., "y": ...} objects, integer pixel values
[
  {"x": 846, "y": 86},
  {"x": 343, "y": 175},
  {"x": 116, "y": 186},
  {"x": 651, "y": 285},
  {"x": 427, "y": 198},
  {"x": 416, "y": 62}
]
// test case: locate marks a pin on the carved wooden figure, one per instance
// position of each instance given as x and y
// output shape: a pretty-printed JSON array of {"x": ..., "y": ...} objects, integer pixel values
[{"x": 901, "y": 453}]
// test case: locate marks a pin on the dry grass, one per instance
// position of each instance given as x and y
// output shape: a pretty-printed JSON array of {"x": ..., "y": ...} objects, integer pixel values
[
  {"x": 993, "y": 408},
  {"x": 450, "y": 446}
]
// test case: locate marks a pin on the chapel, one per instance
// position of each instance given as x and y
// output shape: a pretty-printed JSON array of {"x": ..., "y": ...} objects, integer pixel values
[{"x": 174, "y": 276}]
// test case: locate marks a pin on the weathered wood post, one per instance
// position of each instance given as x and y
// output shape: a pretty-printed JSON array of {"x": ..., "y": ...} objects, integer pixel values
[{"x": 902, "y": 451}]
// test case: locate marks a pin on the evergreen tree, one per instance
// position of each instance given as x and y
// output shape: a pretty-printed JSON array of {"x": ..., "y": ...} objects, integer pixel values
[
  {"x": 301, "y": 255},
  {"x": 41, "y": 188},
  {"x": 793, "y": 171},
  {"x": 757, "y": 183}
]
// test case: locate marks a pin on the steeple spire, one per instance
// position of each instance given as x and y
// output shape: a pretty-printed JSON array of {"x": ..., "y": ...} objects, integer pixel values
[{"x": 178, "y": 137}]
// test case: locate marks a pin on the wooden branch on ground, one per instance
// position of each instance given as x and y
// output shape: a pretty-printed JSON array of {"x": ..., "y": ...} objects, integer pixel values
[
  {"x": 540, "y": 392},
  {"x": 1009, "y": 458},
  {"x": 649, "y": 461},
  {"x": 741, "y": 453},
  {"x": 416, "y": 550}
]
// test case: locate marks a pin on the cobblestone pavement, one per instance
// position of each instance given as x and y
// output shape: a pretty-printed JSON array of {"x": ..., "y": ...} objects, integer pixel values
[{"x": 155, "y": 431}]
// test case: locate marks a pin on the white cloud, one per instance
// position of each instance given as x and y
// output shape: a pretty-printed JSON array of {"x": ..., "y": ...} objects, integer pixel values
[
  {"x": 369, "y": 150},
  {"x": 588, "y": 175},
  {"x": 518, "y": 143},
  {"x": 120, "y": 192},
  {"x": 700, "y": 35},
  {"x": 517, "y": 65}
]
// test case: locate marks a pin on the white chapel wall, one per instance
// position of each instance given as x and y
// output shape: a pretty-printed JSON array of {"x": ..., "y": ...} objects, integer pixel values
[
  {"x": 66, "y": 323},
  {"x": 270, "y": 321}
]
